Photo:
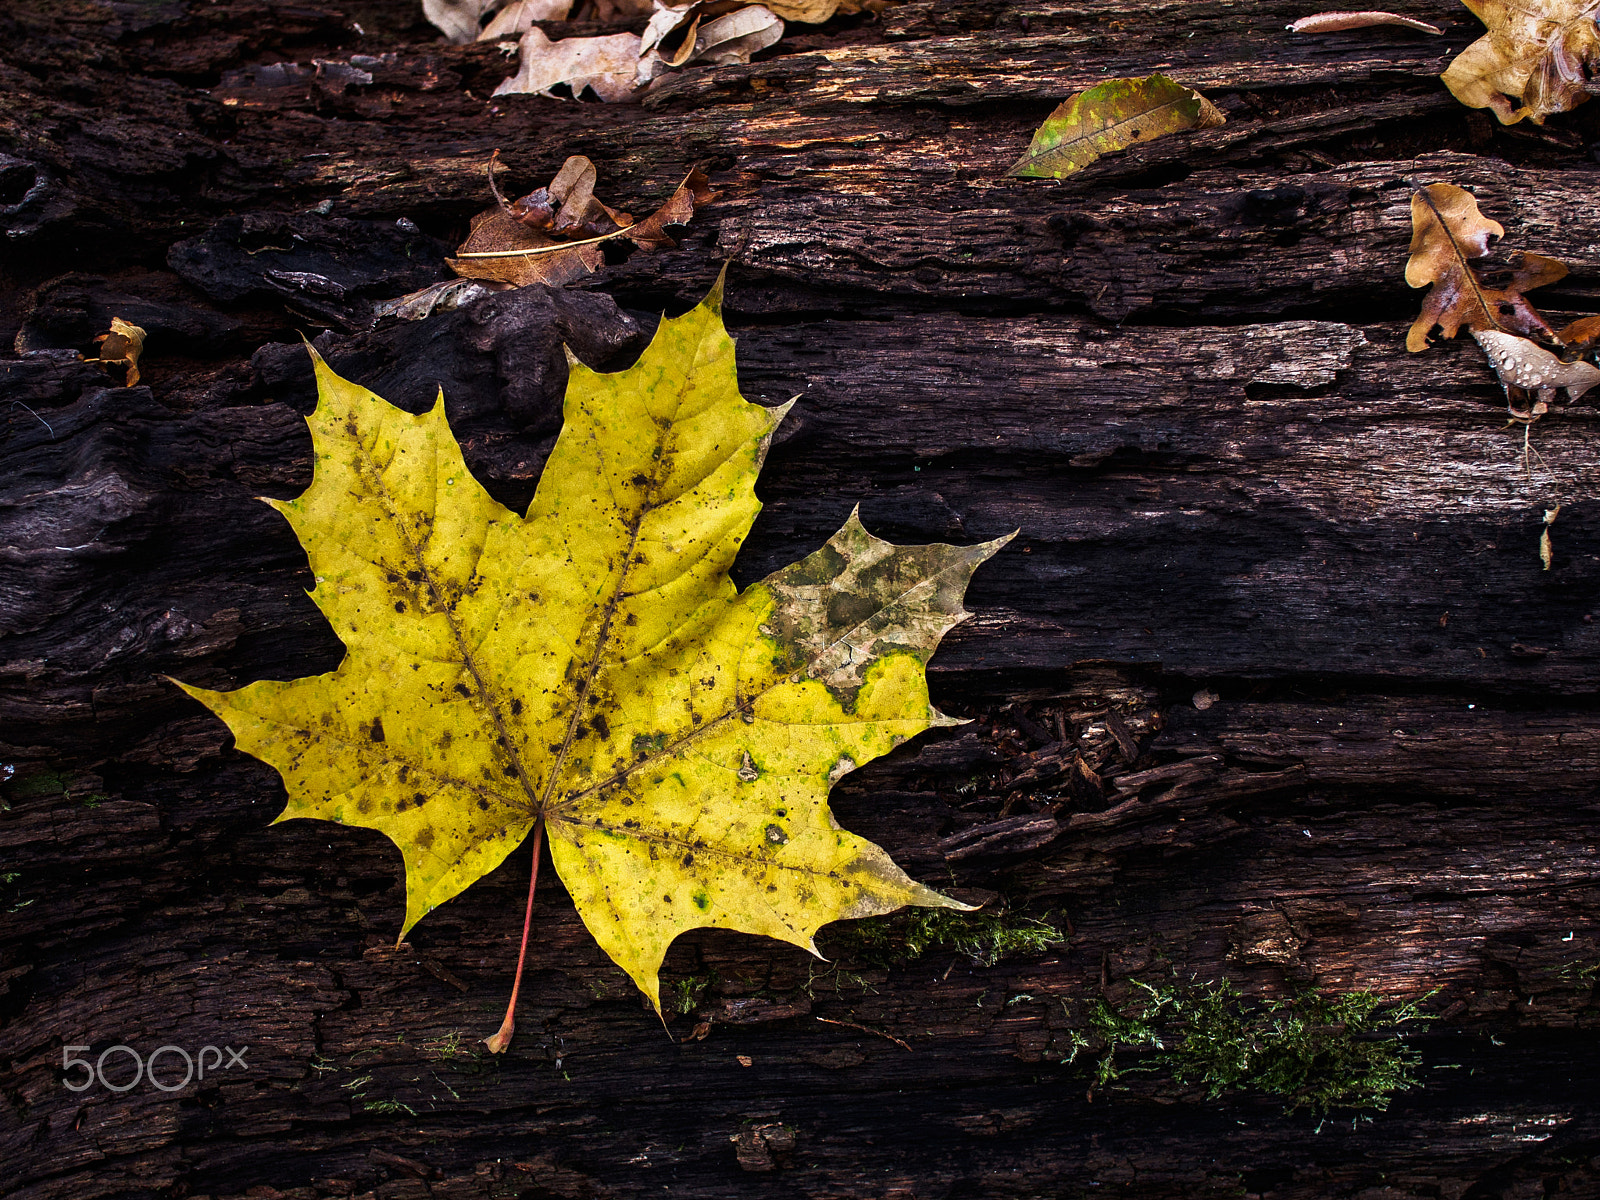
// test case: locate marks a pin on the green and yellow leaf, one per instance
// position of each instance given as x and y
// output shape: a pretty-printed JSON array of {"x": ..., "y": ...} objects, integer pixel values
[
  {"x": 591, "y": 665},
  {"x": 1112, "y": 116}
]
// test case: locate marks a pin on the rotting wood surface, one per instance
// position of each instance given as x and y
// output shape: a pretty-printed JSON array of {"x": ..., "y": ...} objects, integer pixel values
[{"x": 1181, "y": 373}]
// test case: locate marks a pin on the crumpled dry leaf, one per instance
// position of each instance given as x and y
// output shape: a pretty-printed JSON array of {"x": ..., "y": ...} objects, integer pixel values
[
  {"x": 1546, "y": 53},
  {"x": 1447, "y": 233},
  {"x": 518, "y": 17},
  {"x": 554, "y": 234},
  {"x": 1112, "y": 116},
  {"x": 458, "y": 20},
  {"x": 605, "y": 65},
  {"x": 121, "y": 348},
  {"x": 1528, "y": 370},
  {"x": 733, "y": 37}
]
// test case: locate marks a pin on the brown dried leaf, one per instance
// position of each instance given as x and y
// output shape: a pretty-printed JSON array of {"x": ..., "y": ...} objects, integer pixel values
[
  {"x": 733, "y": 37},
  {"x": 1545, "y": 53},
  {"x": 121, "y": 348},
  {"x": 694, "y": 191},
  {"x": 606, "y": 65},
  {"x": 1584, "y": 333},
  {"x": 525, "y": 242},
  {"x": 1447, "y": 234},
  {"x": 1330, "y": 22}
]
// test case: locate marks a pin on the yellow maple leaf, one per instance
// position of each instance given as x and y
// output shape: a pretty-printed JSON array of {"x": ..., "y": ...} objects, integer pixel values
[{"x": 590, "y": 666}]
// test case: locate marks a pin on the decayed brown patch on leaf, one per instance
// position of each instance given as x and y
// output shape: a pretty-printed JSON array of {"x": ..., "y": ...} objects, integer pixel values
[
  {"x": 1544, "y": 53},
  {"x": 554, "y": 234},
  {"x": 1448, "y": 234}
]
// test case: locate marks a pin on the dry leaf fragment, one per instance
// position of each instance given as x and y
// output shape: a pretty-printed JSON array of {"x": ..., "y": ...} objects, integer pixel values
[
  {"x": 1546, "y": 550},
  {"x": 605, "y": 65},
  {"x": 518, "y": 17},
  {"x": 621, "y": 10},
  {"x": 1447, "y": 234},
  {"x": 733, "y": 37},
  {"x": 815, "y": 12},
  {"x": 1582, "y": 335},
  {"x": 458, "y": 20},
  {"x": 1112, "y": 116},
  {"x": 444, "y": 296},
  {"x": 1545, "y": 53},
  {"x": 121, "y": 348},
  {"x": 1330, "y": 22},
  {"x": 1527, "y": 367}
]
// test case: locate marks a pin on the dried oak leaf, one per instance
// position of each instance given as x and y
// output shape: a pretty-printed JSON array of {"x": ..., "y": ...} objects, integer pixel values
[
  {"x": 554, "y": 234},
  {"x": 604, "y": 65},
  {"x": 1447, "y": 234},
  {"x": 590, "y": 665},
  {"x": 121, "y": 349},
  {"x": 1112, "y": 116},
  {"x": 1545, "y": 53}
]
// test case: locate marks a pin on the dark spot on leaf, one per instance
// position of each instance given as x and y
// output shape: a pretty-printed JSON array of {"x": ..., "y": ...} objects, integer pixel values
[
  {"x": 516, "y": 706},
  {"x": 414, "y": 576},
  {"x": 600, "y": 725},
  {"x": 376, "y": 732},
  {"x": 399, "y": 606},
  {"x": 702, "y": 901},
  {"x": 688, "y": 860},
  {"x": 776, "y": 836},
  {"x": 668, "y": 899},
  {"x": 483, "y": 805},
  {"x": 847, "y": 609},
  {"x": 462, "y": 690},
  {"x": 424, "y": 837}
]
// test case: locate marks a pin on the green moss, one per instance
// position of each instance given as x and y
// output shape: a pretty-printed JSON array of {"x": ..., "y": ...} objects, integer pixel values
[
  {"x": 904, "y": 937},
  {"x": 1318, "y": 1052},
  {"x": 683, "y": 995}
]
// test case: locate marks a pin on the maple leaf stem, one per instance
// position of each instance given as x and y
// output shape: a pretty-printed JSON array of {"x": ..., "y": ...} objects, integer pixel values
[{"x": 502, "y": 1039}]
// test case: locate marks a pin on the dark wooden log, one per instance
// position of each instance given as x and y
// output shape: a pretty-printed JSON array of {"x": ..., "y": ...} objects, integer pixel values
[{"x": 1271, "y": 687}]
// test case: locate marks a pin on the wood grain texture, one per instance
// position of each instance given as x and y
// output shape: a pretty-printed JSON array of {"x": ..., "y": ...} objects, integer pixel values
[{"x": 1276, "y": 585}]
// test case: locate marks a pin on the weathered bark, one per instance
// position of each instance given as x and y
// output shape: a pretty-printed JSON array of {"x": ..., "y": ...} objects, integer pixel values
[{"x": 1277, "y": 582}]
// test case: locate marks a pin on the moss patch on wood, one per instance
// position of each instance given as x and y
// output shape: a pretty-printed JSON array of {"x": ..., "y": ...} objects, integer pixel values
[
  {"x": 1317, "y": 1051},
  {"x": 904, "y": 937}
]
